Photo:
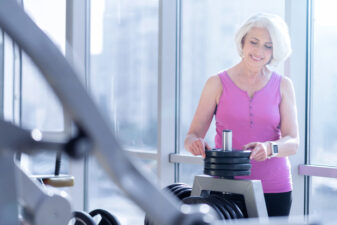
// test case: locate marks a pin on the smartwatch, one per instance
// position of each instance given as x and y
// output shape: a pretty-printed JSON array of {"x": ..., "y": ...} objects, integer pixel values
[{"x": 274, "y": 150}]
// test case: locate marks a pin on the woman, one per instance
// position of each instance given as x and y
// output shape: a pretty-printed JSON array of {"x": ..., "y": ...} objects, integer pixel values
[{"x": 258, "y": 105}]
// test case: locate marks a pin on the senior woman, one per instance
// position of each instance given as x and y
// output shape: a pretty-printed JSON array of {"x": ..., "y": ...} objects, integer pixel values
[{"x": 258, "y": 105}]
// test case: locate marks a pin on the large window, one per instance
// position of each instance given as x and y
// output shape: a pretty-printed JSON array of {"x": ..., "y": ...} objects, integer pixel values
[
  {"x": 124, "y": 68},
  {"x": 123, "y": 81},
  {"x": 208, "y": 47},
  {"x": 323, "y": 123},
  {"x": 39, "y": 106}
]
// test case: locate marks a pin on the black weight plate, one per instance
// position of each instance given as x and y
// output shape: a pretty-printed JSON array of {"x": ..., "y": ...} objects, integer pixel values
[
  {"x": 239, "y": 200},
  {"x": 219, "y": 160},
  {"x": 227, "y": 204},
  {"x": 235, "y": 207},
  {"x": 221, "y": 207},
  {"x": 106, "y": 217},
  {"x": 83, "y": 218},
  {"x": 233, "y": 167},
  {"x": 239, "y": 212},
  {"x": 200, "y": 200},
  {"x": 227, "y": 154},
  {"x": 169, "y": 187},
  {"x": 226, "y": 173},
  {"x": 184, "y": 193},
  {"x": 177, "y": 190}
]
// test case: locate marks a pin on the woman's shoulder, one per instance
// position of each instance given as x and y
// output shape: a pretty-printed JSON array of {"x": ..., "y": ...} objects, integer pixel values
[
  {"x": 214, "y": 80},
  {"x": 286, "y": 85},
  {"x": 214, "y": 84}
]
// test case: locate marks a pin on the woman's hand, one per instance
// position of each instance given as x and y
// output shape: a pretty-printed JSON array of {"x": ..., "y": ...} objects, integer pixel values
[
  {"x": 260, "y": 150},
  {"x": 197, "y": 146}
]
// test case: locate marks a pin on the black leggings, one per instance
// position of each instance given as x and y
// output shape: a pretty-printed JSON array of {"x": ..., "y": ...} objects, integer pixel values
[{"x": 278, "y": 204}]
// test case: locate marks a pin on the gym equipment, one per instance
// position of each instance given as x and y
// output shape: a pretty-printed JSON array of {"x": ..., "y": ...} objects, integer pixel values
[
  {"x": 83, "y": 218},
  {"x": 220, "y": 153},
  {"x": 238, "y": 167},
  {"x": 86, "y": 117},
  {"x": 219, "y": 160},
  {"x": 251, "y": 190},
  {"x": 179, "y": 190},
  {"x": 106, "y": 217},
  {"x": 227, "y": 162},
  {"x": 46, "y": 209}
]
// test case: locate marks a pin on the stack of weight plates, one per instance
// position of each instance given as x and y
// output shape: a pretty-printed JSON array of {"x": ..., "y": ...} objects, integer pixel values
[
  {"x": 227, "y": 164},
  {"x": 180, "y": 190}
]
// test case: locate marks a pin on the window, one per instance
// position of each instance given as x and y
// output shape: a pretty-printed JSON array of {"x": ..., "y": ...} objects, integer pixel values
[
  {"x": 208, "y": 46},
  {"x": 323, "y": 123},
  {"x": 39, "y": 106},
  {"x": 123, "y": 81},
  {"x": 124, "y": 68}
]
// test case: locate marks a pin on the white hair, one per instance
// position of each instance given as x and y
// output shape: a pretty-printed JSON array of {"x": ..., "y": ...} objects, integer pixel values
[{"x": 278, "y": 31}]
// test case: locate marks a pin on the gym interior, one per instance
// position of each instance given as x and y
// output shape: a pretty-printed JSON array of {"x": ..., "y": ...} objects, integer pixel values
[{"x": 97, "y": 97}]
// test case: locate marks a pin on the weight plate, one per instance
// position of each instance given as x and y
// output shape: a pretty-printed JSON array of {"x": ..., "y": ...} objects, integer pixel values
[
  {"x": 175, "y": 188},
  {"x": 221, "y": 207},
  {"x": 219, "y": 160},
  {"x": 173, "y": 185},
  {"x": 227, "y": 204},
  {"x": 226, "y": 173},
  {"x": 238, "y": 210},
  {"x": 232, "y": 204},
  {"x": 239, "y": 200},
  {"x": 184, "y": 193},
  {"x": 227, "y": 154},
  {"x": 232, "y": 167},
  {"x": 200, "y": 200},
  {"x": 83, "y": 218},
  {"x": 106, "y": 217}
]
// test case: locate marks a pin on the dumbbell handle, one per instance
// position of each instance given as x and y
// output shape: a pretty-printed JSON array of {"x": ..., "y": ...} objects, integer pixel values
[{"x": 227, "y": 140}]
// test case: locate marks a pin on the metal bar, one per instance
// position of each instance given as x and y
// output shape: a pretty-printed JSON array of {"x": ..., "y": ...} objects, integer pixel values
[
  {"x": 142, "y": 154},
  {"x": 188, "y": 159},
  {"x": 2, "y": 72},
  {"x": 309, "y": 55},
  {"x": 166, "y": 90},
  {"x": 319, "y": 171},
  {"x": 71, "y": 92}
]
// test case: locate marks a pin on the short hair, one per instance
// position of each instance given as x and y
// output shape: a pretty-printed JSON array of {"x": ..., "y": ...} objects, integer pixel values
[{"x": 278, "y": 31}]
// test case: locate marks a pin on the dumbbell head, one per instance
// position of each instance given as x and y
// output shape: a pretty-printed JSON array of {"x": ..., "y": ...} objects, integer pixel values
[
  {"x": 106, "y": 217},
  {"x": 83, "y": 218},
  {"x": 227, "y": 164},
  {"x": 227, "y": 154}
]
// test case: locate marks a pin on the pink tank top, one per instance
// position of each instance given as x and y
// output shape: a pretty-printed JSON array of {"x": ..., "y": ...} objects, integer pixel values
[{"x": 255, "y": 119}]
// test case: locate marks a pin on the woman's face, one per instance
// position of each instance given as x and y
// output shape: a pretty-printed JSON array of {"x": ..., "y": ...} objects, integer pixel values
[{"x": 257, "y": 48}]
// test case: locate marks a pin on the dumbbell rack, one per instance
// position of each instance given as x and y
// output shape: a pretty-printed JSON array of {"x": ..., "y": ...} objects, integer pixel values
[{"x": 250, "y": 189}]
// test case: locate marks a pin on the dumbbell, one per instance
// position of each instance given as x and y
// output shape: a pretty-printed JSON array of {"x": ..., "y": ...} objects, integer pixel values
[
  {"x": 226, "y": 162},
  {"x": 180, "y": 190},
  {"x": 83, "y": 218},
  {"x": 106, "y": 217}
]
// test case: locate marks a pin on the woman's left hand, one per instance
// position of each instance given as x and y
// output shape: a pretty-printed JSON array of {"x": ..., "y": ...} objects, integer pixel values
[{"x": 259, "y": 150}]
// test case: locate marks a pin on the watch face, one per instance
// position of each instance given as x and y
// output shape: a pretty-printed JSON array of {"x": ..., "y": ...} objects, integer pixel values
[{"x": 275, "y": 149}]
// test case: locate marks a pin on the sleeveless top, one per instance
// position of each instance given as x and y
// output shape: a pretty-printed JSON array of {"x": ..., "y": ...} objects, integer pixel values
[{"x": 255, "y": 119}]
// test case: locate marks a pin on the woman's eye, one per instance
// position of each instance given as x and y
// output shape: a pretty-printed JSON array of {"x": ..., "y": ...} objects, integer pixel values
[
  {"x": 269, "y": 47},
  {"x": 253, "y": 42}
]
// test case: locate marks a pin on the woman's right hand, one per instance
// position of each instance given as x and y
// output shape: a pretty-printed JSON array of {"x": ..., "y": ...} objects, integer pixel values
[{"x": 197, "y": 146}]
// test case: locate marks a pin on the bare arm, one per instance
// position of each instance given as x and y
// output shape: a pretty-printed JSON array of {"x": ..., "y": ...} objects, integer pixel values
[
  {"x": 288, "y": 144},
  {"x": 289, "y": 141},
  {"x": 194, "y": 141}
]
